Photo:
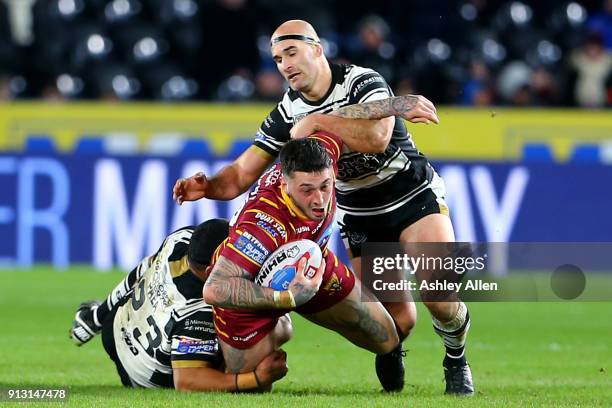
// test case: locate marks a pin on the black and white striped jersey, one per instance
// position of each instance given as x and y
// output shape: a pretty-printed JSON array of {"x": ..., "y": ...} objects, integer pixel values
[
  {"x": 165, "y": 322},
  {"x": 369, "y": 183}
]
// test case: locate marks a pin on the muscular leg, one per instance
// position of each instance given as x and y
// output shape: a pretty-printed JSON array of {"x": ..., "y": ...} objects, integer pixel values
[
  {"x": 451, "y": 319},
  {"x": 433, "y": 228},
  {"x": 242, "y": 361},
  {"x": 404, "y": 313},
  {"x": 365, "y": 324}
]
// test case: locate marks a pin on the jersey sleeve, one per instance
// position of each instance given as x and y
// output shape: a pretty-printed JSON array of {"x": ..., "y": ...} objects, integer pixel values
[
  {"x": 274, "y": 131},
  {"x": 194, "y": 341},
  {"x": 258, "y": 232},
  {"x": 368, "y": 86},
  {"x": 332, "y": 143}
]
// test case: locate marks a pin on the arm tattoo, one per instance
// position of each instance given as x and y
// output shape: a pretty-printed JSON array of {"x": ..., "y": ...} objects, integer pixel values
[
  {"x": 232, "y": 287},
  {"x": 302, "y": 294},
  {"x": 396, "y": 106}
]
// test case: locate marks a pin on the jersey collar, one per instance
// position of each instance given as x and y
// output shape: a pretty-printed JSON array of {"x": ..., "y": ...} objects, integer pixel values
[
  {"x": 293, "y": 209},
  {"x": 336, "y": 78}
]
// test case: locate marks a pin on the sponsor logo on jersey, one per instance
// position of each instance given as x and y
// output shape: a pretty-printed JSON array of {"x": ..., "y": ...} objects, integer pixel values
[
  {"x": 260, "y": 136},
  {"x": 356, "y": 238},
  {"x": 324, "y": 238},
  {"x": 357, "y": 165},
  {"x": 299, "y": 117},
  {"x": 194, "y": 346},
  {"x": 365, "y": 83},
  {"x": 126, "y": 336},
  {"x": 268, "y": 122},
  {"x": 272, "y": 177},
  {"x": 157, "y": 292},
  {"x": 268, "y": 228},
  {"x": 277, "y": 259},
  {"x": 266, "y": 218},
  {"x": 247, "y": 338},
  {"x": 252, "y": 247},
  {"x": 303, "y": 228}
]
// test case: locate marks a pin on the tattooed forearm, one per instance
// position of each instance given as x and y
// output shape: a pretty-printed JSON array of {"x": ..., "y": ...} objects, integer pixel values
[
  {"x": 230, "y": 286},
  {"x": 396, "y": 106}
]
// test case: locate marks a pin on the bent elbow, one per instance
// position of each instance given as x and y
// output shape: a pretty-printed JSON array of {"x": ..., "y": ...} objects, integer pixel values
[
  {"x": 208, "y": 293},
  {"x": 379, "y": 143},
  {"x": 382, "y": 135}
]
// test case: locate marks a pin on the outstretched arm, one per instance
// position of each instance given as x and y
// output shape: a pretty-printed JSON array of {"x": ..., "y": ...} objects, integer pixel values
[
  {"x": 272, "y": 368},
  {"x": 228, "y": 183}
]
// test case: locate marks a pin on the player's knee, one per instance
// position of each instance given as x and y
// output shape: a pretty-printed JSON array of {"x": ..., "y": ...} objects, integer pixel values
[
  {"x": 284, "y": 330},
  {"x": 405, "y": 316},
  {"x": 441, "y": 310}
]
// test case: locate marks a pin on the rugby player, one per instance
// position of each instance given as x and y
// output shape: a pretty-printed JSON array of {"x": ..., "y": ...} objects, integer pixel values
[
  {"x": 294, "y": 199},
  {"x": 159, "y": 331},
  {"x": 389, "y": 192}
]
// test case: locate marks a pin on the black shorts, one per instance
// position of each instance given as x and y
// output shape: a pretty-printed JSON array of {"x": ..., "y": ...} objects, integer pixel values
[{"x": 387, "y": 227}]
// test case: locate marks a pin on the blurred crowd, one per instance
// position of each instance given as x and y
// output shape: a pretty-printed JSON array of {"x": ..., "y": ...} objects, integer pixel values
[{"x": 465, "y": 52}]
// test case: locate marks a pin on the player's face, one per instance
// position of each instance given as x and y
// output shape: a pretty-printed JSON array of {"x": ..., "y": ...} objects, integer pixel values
[
  {"x": 311, "y": 192},
  {"x": 296, "y": 61}
]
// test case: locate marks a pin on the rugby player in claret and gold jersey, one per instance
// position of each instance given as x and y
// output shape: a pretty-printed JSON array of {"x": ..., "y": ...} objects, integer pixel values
[{"x": 294, "y": 199}]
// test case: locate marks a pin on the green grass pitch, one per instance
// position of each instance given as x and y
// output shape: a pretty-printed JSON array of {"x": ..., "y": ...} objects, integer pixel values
[{"x": 522, "y": 354}]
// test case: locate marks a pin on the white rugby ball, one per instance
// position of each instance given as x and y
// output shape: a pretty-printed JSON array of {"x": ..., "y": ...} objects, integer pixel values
[{"x": 280, "y": 267}]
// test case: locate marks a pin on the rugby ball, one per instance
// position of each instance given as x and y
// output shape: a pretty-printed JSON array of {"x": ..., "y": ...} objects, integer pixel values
[{"x": 280, "y": 267}]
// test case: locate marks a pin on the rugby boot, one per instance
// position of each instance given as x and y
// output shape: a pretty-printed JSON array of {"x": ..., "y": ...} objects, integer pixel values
[
  {"x": 458, "y": 380},
  {"x": 390, "y": 369}
]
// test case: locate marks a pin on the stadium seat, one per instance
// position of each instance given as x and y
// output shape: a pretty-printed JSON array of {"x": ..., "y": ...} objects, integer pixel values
[
  {"x": 586, "y": 154},
  {"x": 121, "y": 143},
  {"x": 165, "y": 144},
  {"x": 537, "y": 153},
  {"x": 90, "y": 145},
  {"x": 39, "y": 144},
  {"x": 605, "y": 152}
]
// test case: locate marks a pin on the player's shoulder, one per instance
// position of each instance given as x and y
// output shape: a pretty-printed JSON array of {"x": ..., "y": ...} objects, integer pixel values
[
  {"x": 353, "y": 72},
  {"x": 176, "y": 243},
  {"x": 190, "y": 307}
]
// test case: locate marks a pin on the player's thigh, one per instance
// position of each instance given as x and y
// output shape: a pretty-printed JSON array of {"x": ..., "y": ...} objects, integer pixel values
[
  {"x": 418, "y": 239},
  {"x": 363, "y": 321},
  {"x": 431, "y": 228},
  {"x": 245, "y": 360}
]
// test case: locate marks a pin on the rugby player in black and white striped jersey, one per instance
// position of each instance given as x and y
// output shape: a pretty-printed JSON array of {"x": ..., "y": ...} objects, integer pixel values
[
  {"x": 389, "y": 192},
  {"x": 159, "y": 331}
]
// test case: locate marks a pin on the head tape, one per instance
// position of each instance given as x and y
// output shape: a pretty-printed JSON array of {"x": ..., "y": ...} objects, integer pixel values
[{"x": 300, "y": 37}]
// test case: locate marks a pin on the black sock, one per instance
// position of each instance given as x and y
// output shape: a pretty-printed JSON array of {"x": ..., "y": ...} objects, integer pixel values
[
  {"x": 455, "y": 357},
  {"x": 120, "y": 291}
]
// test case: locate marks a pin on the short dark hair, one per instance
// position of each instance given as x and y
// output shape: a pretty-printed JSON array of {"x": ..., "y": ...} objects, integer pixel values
[
  {"x": 205, "y": 239},
  {"x": 306, "y": 155}
]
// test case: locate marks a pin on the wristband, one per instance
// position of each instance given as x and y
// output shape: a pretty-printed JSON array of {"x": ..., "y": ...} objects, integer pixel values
[
  {"x": 283, "y": 299},
  {"x": 246, "y": 381}
]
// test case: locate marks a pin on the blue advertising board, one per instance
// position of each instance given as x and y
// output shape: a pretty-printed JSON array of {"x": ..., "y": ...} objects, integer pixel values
[{"x": 111, "y": 211}]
